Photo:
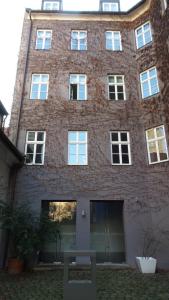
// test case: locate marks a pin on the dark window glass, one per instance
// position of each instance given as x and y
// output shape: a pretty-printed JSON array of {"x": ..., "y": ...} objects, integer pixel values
[
  {"x": 124, "y": 149},
  {"x": 116, "y": 159},
  {"x": 38, "y": 159},
  {"x": 120, "y": 89},
  {"x": 125, "y": 159},
  {"x": 73, "y": 92},
  {"x": 124, "y": 136},
  {"x": 114, "y": 137},
  {"x": 115, "y": 148},
  {"x": 120, "y": 96}
]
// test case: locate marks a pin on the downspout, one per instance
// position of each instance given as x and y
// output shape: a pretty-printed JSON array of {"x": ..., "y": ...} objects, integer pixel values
[{"x": 24, "y": 78}]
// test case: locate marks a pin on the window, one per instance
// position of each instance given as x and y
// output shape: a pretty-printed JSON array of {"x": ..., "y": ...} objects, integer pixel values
[
  {"x": 110, "y": 6},
  {"x": 77, "y": 148},
  {"x": 120, "y": 148},
  {"x": 143, "y": 35},
  {"x": 156, "y": 145},
  {"x": 116, "y": 87},
  {"x": 35, "y": 147},
  {"x": 39, "y": 88},
  {"x": 79, "y": 40},
  {"x": 149, "y": 83},
  {"x": 78, "y": 87},
  {"x": 53, "y": 5},
  {"x": 165, "y": 4},
  {"x": 43, "y": 39},
  {"x": 113, "y": 40}
]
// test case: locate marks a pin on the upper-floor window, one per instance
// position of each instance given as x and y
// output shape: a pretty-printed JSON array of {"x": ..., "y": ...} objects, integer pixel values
[
  {"x": 120, "y": 148},
  {"x": 156, "y": 145},
  {"x": 78, "y": 87},
  {"x": 43, "y": 39},
  {"x": 78, "y": 40},
  {"x": 113, "y": 40},
  {"x": 53, "y": 5},
  {"x": 116, "y": 87},
  {"x": 77, "y": 148},
  {"x": 110, "y": 6},
  {"x": 39, "y": 87},
  {"x": 149, "y": 83},
  {"x": 35, "y": 147},
  {"x": 143, "y": 35}
]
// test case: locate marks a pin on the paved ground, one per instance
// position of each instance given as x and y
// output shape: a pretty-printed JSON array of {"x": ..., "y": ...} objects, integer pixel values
[{"x": 111, "y": 284}]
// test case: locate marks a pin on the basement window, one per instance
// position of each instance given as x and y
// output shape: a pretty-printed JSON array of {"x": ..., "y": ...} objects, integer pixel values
[{"x": 78, "y": 87}]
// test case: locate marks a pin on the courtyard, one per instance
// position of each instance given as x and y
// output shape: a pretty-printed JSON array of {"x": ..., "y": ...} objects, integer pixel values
[{"x": 111, "y": 284}]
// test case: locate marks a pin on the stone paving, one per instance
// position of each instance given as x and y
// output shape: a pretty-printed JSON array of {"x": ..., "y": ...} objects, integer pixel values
[{"x": 111, "y": 284}]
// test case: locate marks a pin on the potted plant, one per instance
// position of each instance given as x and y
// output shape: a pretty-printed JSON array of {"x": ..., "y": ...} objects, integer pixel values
[
  {"x": 18, "y": 222},
  {"x": 147, "y": 262}
]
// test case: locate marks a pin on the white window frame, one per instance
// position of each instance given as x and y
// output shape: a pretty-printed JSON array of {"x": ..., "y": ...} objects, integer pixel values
[
  {"x": 77, "y": 143},
  {"x": 156, "y": 139},
  {"x": 117, "y": 84},
  {"x": 120, "y": 143},
  {"x": 143, "y": 34},
  {"x": 85, "y": 84},
  {"x": 78, "y": 39},
  {"x": 165, "y": 4},
  {"x": 44, "y": 38},
  {"x": 35, "y": 142},
  {"x": 110, "y": 4},
  {"x": 148, "y": 80},
  {"x": 39, "y": 88},
  {"x": 113, "y": 39},
  {"x": 51, "y": 5}
]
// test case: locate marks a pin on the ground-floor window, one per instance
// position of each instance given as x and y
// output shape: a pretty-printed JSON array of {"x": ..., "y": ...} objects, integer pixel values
[{"x": 62, "y": 233}]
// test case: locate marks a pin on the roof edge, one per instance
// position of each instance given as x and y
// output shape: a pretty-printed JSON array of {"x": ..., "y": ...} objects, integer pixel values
[{"x": 15, "y": 151}]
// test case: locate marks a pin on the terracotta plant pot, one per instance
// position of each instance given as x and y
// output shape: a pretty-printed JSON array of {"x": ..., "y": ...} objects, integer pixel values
[{"x": 15, "y": 266}]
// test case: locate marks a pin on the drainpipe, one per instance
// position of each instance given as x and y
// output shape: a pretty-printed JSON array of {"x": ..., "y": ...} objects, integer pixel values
[{"x": 25, "y": 71}]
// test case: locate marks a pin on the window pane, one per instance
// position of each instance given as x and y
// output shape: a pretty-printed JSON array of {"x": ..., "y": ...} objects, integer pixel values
[
  {"x": 154, "y": 86},
  {"x": 109, "y": 45},
  {"x": 72, "y": 159},
  {"x": 38, "y": 159},
  {"x": 39, "y": 44},
  {"x": 125, "y": 159},
  {"x": 116, "y": 159},
  {"x": 150, "y": 134},
  {"x": 82, "y": 160},
  {"x": 73, "y": 92},
  {"x": 48, "y": 43},
  {"x": 153, "y": 152},
  {"x": 72, "y": 136},
  {"x": 45, "y": 78},
  {"x": 82, "y": 79},
  {"x": 31, "y": 136},
  {"x": 120, "y": 89},
  {"x": 147, "y": 26},
  {"x": 74, "y": 79},
  {"x": 83, "y": 45},
  {"x": 124, "y": 149},
  {"x": 29, "y": 158},
  {"x": 30, "y": 148},
  {"x": 160, "y": 131},
  {"x": 147, "y": 37},
  {"x": 115, "y": 149},
  {"x": 82, "y": 136},
  {"x": 140, "y": 41},
  {"x": 146, "y": 91},
  {"x": 39, "y": 148},
  {"x": 112, "y": 96},
  {"x": 119, "y": 79},
  {"x": 123, "y": 136},
  {"x": 162, "y": 149},
  {"x": 114, "y": 136},
  {"x": 111, "y": 79},
  {"x": 43, "y": 95},
  {"x": 36, "y": 78},
  {"x": 116, "y": 45},
  {"x": 81, "y": 92},
  {"x": 139, "y": 31},
  {"x": 72, "y": 149},
  {"x": 120, "y": 96},
  {"x": 74, "y": 45},
  {"x": 82, "y": 149},
  {"x": 144, "y": 76}
]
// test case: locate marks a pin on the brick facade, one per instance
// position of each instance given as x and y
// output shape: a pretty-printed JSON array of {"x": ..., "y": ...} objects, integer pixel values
[{"x": 137, "y": 185}]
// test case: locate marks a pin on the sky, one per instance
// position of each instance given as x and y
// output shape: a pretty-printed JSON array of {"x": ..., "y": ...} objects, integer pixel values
[{"x": 11, "y": 20}]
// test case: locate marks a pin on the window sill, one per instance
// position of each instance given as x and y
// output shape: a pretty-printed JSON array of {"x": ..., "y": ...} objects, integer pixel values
[
  {"x": 76, "y": 50},
  {"x": 158, "y": 162},
  {"x": 34, "y": 164},
  {"x": 118, "y": 51},
  {"x": 45, "y": 50},
  {"x": 77, "y": 100},
  {"x": 145, "y": 46},
  {"x": 150, "y": 97},
  {"x": 122, "y": 165}
]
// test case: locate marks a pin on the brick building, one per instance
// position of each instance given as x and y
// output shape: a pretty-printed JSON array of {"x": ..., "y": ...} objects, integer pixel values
[{"x": 90, "y": 112}]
